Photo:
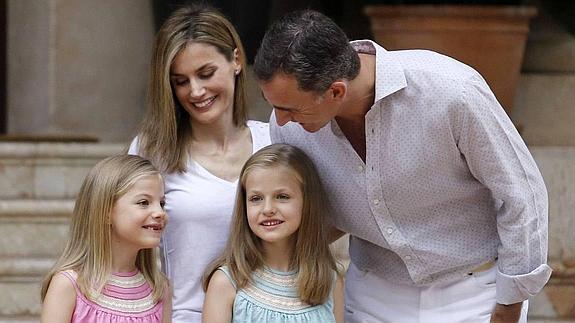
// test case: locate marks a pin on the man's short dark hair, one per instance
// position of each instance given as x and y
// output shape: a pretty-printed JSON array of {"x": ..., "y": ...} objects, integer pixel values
[{"x": 309, "y": 46}]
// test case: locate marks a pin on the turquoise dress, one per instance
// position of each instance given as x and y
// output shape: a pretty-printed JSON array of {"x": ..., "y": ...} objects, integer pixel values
[{"x": 272, "y": 298}]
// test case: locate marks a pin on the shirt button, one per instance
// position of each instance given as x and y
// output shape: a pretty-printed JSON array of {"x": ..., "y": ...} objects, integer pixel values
[
  {"x": 376, "y": 202},
  {"x": 372, "y": 130},
  {"x": 408, "y": 257},
  {"x": 390, "y": 230},
  {"x": 360, "y": 168}
]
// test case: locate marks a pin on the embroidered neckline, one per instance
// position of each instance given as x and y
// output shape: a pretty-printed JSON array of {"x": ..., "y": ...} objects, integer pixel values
[{"x": 116, "y": 293}]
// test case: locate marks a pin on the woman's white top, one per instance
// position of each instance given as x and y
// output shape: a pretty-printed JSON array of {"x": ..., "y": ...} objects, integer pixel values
[{"x": 199, "y": 206}]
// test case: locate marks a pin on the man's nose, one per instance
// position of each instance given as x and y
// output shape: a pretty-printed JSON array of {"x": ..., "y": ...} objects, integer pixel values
[{"x": 282, "y": 117}]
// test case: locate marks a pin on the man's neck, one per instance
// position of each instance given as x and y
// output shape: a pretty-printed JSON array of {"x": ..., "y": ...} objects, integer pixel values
[{"x": 360, "y": 92}]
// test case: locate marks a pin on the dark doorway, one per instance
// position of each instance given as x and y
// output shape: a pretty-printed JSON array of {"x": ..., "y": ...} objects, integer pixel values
[
  {"x": 252, "y": 17},
  {"x": 3, "y": 65}
]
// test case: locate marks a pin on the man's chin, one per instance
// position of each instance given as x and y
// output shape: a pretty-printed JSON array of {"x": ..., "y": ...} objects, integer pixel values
[{"x": 311, "y": 127}]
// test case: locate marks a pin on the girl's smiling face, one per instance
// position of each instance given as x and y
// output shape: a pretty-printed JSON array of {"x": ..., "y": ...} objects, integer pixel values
[
  {"x": 138, "y": 217},
  {"x": 274, "y": 202}
]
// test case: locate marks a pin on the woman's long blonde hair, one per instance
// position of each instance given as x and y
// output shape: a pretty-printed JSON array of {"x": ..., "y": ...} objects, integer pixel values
[
  {"x": 88, "y": 251},
  {"x": 312, "y": 256},
  {"x": 165, "y": 133}
]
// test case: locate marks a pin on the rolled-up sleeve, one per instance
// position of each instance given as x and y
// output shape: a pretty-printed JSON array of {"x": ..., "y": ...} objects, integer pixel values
[{"x": 499, "y": 159}]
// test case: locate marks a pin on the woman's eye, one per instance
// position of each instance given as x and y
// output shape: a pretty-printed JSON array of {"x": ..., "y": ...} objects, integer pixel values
[
  {"x": 163, "y": 204},
  {"x": 206, "y": 75},
  {"x": 283, "y": 197},
  {"x": 180, "y": 81}
]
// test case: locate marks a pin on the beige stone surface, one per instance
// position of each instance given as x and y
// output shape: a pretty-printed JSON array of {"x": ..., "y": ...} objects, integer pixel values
[
  {"x": 545, "y": 108},
  {"x": 30, "y": 76},
  {"x": 17, "y": 179},
  {"x": 557, "y": 164},
  {"x": 48, "y": 170},
  {"x": 562, "y": 296},
  {"x": 32, "y": 239},
  {"x": 20, "y": 297},
  {"x": 81, "y": 69}
]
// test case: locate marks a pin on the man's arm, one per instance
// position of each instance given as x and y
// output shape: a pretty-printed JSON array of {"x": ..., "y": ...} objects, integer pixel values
[{"x": 499, "y": 159}]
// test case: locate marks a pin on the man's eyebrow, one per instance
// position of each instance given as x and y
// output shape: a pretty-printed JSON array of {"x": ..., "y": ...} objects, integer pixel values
[{"x": 275, "y": 107}]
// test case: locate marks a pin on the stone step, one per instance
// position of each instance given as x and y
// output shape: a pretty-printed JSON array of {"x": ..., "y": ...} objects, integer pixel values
[
  {"x": 20, "y": 297},
  {"x": 20, "y": 281},
  {"x": 19, "y": 319},
  {"x": 48, "y": 170},
  {"x": 34, "y": 228}
]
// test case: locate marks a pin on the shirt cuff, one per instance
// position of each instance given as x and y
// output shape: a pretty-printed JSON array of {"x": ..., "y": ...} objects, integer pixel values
[{"x": 513, "y": 289}]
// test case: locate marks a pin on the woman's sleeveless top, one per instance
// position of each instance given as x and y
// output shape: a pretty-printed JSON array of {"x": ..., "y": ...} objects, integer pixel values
[
  {"x": 127, "y": 297},
  {"x": 272, "y": 297}
]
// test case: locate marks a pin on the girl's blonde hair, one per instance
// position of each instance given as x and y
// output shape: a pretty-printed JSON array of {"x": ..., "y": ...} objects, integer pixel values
[
  {"x": 165, "y": 133},
  {"x": 89, "y": 248},
  {"x": 311, "y": 256}
]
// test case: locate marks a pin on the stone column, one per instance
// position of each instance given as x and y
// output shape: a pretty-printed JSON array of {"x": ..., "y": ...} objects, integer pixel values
[{"x": 78, "y": 67}]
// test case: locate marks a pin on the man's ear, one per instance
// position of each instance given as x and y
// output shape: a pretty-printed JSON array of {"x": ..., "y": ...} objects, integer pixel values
[{"x": 338, "y": 90}]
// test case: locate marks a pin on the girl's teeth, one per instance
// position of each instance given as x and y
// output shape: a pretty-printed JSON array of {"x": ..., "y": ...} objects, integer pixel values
[{"x": 270, "y": 223}]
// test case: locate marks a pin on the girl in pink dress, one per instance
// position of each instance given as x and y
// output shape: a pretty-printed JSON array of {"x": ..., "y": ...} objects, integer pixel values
[{"x": 108, "y": 271}]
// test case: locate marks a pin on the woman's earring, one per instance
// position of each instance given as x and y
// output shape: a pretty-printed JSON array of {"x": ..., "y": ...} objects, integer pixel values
[{"x": 237, "y": 72}]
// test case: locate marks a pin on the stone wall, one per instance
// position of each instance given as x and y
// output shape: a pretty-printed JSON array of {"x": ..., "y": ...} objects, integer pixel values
[{"x": 78, "y": 67}]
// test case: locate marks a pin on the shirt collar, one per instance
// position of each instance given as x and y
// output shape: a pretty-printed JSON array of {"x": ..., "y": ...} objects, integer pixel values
[{"x": 389, "y": 75}]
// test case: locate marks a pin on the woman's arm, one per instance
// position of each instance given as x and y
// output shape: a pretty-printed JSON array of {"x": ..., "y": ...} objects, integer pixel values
[
  {"x": 219, "y": 300},
  {"x": 59, "y": 302},
  {"x": 338, "y": 300},
  {"x": 167, "y": 304}
]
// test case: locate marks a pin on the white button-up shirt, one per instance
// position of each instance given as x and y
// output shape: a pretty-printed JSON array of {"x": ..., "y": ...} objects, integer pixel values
[{"x": 448, "y": 184}]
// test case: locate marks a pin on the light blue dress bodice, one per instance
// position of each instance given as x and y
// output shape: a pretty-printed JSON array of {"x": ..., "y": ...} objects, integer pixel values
[{"x": 272, "y": 297}]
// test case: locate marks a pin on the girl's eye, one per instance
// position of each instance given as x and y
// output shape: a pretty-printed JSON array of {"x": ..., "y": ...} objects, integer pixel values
[
  {"x": 254, "y": 198},
  {"x": 162, "y": 204},
  {"x": 283, "y": 197},
  {"x": 143, "y": 203}
]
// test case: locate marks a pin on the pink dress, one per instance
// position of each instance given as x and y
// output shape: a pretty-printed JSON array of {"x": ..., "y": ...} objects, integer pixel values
[{"x": 126, "y": 298}]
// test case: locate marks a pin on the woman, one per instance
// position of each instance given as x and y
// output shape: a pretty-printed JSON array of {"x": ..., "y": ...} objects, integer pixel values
[{"x": 196, "y": 133}]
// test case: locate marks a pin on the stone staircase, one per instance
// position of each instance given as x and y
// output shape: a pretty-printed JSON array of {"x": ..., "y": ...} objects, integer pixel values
[{"x": 38, "y": 184}]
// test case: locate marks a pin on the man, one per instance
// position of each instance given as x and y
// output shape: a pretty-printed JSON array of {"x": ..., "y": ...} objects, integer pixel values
[{"x": 446, "y": 209}]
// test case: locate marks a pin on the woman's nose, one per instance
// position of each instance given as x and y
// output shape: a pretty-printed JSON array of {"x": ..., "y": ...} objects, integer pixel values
[{"x": 197, "y": 89}]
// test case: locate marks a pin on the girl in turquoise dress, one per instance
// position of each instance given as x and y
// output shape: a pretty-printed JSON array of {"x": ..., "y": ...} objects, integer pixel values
[{"x": 277, "y": 266}]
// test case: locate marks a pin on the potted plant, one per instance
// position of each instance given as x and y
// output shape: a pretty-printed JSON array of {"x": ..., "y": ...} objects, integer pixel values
[{"x": 487, "y": 35}]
